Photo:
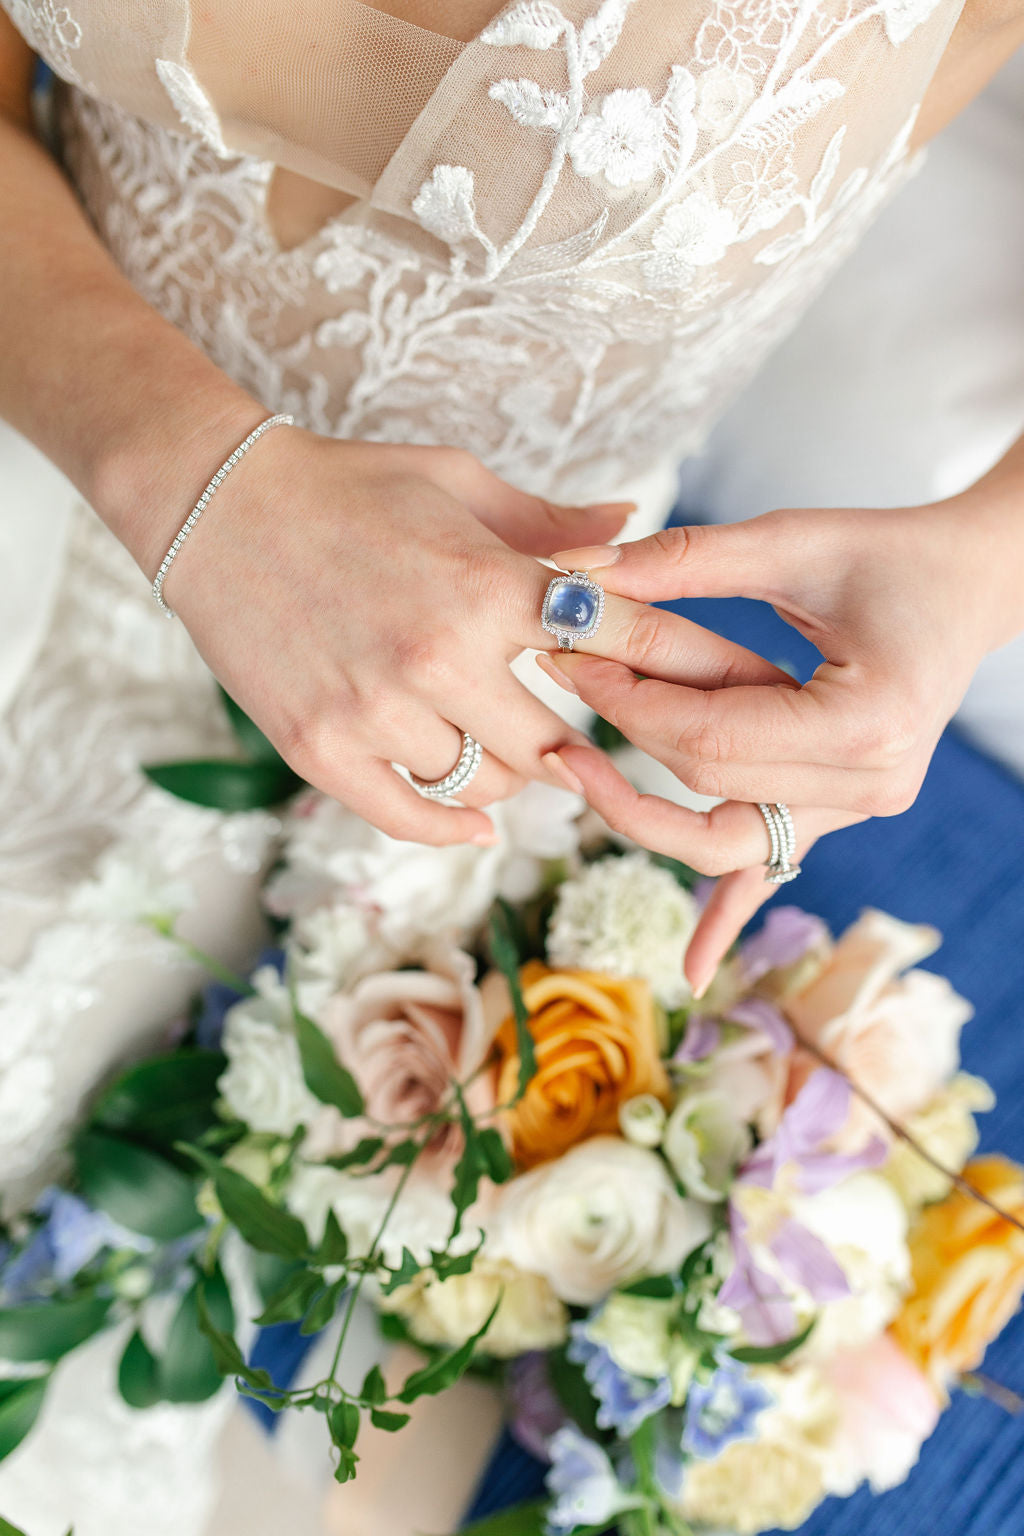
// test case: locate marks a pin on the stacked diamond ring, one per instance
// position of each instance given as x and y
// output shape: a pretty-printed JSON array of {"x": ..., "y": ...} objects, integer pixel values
[
  {"x": 779, "y": 822},
  {"x": 470, "y": 758}
]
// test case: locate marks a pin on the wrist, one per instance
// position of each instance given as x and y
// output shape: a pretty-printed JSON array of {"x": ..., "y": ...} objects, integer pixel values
[{"x": 159, "y": 446}]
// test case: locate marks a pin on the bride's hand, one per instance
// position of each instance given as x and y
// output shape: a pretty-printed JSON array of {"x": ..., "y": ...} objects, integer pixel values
[
  {"x": 902, "y": 604},
  {"x": 362, "y": 602}
]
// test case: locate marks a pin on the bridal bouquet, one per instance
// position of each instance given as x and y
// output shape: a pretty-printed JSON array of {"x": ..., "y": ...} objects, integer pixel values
[{"x": 726, "y": 1254}]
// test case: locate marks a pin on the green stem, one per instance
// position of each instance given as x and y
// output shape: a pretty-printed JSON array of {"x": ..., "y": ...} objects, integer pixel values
[{"x": 213, "y": 966}]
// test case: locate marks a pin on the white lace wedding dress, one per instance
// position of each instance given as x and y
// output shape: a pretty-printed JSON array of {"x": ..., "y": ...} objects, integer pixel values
[{"x": 565, "y": 245}]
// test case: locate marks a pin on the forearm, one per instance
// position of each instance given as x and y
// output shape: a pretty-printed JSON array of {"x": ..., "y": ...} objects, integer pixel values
[
  {"x": 991, "y": 517},
  {"x": 132, "y": 412}
]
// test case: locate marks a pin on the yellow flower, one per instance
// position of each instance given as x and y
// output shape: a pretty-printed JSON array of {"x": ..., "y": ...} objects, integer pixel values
[
  {"x": 596, "y": 1040},
  {"x": 968, "y": 1274},
  {"x": 529, "y": 1315},
  {"x": 946, "y": 1129},
  {"x": 754, "y": 1485}
]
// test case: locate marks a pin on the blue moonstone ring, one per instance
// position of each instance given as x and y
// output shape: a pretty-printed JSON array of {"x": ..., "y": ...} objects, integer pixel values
[{"x": 573, "y": 608}]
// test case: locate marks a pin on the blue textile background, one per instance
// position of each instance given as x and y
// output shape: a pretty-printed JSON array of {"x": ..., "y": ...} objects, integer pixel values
[{"x": 956, "y": 860}]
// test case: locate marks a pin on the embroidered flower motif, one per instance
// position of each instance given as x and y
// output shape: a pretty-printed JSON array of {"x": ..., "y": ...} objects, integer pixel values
[
  {"x": 622, "y": 140},
  {"x": 52, "y": 30},
  {"x": 535, "y": 24},
  {"x": 192, "y": 104},
  {"x": 901, "y": 17},
  {"x": 723, "y": 95},
  {"x": 693, "y": 233},
  {"x": 445, "y": 205}
]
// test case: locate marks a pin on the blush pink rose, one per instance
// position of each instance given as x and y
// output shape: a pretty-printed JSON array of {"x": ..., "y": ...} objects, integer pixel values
[
  {"x": 887, "y": 1410},
  {"x": 404, "y": 1036},
  {"x": 896, "y": 1035}
]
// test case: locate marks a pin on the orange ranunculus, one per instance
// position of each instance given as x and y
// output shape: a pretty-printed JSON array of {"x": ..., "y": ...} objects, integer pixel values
[
  {"x": 596, "y": 1039},
  {"x": 968, "y": 1273}
]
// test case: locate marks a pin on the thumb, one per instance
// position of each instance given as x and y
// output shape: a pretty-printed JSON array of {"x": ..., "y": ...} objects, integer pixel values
[{"x": 706, "y": 560}]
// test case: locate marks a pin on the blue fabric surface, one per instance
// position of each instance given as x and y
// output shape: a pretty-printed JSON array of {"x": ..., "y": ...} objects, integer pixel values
[{"x": 955, "y": 860}]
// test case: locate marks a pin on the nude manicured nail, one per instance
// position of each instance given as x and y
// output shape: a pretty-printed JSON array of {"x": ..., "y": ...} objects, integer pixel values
[
  {"x": 485, "y": 839},
  {"x": 701, "y": 988},
  {"x": 592, "y": 557},
  {"x": 554, "y": 671},
  {"x": 553, "y": 762}
]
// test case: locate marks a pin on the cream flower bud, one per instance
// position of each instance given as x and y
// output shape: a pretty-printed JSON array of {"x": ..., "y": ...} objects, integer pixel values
[
  {"x": 642, "y": 1120},
  {"x": 704, "y": 1141}
]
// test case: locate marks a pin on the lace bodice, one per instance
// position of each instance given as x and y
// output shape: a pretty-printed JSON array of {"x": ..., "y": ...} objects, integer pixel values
[{"x": 564, "y": 245}]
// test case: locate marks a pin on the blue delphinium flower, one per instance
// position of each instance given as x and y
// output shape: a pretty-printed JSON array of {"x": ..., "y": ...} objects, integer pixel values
[
  {"x": 71, "y": 1236},
  {"x": 723, "y": 1409},
  {"x": 218, "y": 997},
  {"x": 624, "y": 1401},
  {"x": 582, "y": 1482}
]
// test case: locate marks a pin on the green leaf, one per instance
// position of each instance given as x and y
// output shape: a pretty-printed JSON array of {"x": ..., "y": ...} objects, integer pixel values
[
  {"x": 468, "y": 1170},
  {"x": 363, "y": 1152},
  {"x": 7, "y": 1529},
  {"x": 607, "y": 736},
  {"x": 140, "y": 1189},
  {"x": 165, "y": 1099},
  {"x": 188, "y": 1370},
  {"x": 323, "y": 1309},
  {"x": 770, "y": 1354},
  {"x": 408, "y": 1269},
  {"x": 325, "y": 1076},
  {"x": 333, "y": 1246},
  {"x": 447, "y": 1369},
  {"x": 225, "y": 786},
  {"x": 250, "y": 738},
  {"x": 529, "y": 1519},
  {"x": 228, "y": 1357},
  {"x": 46, "y": 1330},
  {"x": 573, "y": 1392},
  {"x": 138, "y": 1375},
  {"x": 496, "y": 1157},
  {"x": 263, "y": 1225},
  {"x": 684, "y": 875},
  {"x": 374, "y": 1388},
  {"x": 506, "y": 957},
  {"x": 381, "y": 1418},
  {"x": 19, "y": 1409},
  {"x": 344, "y": 1419},
  {"x": 655, "y": 1287},
  {"x": 289, "y": 1303},
  {"x": 346, "y": 1468}
]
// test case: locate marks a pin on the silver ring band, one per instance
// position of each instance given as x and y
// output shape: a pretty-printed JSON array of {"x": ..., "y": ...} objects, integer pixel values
[
  {"x": 782, "y": 837},
  {"x": 470, "y": 758}
]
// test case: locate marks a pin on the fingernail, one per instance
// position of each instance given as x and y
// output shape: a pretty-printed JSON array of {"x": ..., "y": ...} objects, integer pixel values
[
  {"x": 698, "y": 991},
  {"x": 554, "y": 671},
  {"x": 485, "y": 839},
  {"x": 554, "y": 764},
  {"x": 592, "y": 557}
]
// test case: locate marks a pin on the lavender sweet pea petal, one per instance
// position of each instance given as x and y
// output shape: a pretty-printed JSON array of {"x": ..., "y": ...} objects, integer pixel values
[
  {"x": 767, "y": 1312},
  {"x": 821, "y": 1170},
  {"x": 784, "y": 938},
  {"x": 537, "y": 1413},
  {"x": 808, "y": 1262},
  {"x": 757, "y": 1013},
  {"x": 817, "y": 1113},
  {"x": 703, "y": 1035}
]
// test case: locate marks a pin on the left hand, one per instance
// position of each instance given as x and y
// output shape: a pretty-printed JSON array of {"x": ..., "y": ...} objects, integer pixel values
[{"x": 902, "y": 605}]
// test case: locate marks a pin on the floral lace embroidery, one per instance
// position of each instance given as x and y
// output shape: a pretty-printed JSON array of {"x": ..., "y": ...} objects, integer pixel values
[
  {"x": 52, "y": 31},
  {"x": 191, "y": 103}
]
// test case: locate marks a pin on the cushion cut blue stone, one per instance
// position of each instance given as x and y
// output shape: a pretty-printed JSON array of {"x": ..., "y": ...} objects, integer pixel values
[{"x": 572, "y": 607}]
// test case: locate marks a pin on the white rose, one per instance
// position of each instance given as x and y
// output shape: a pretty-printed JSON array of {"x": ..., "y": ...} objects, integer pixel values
[
  {"x": 704, "y": 1141},
  {"x": 529, "y": 1316},
  {"x": 603, "y": 1214},
  {"x": 263, "y": 1083}
]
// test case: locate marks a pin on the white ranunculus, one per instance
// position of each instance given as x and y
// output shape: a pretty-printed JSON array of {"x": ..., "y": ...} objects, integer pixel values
[
  {"x": 263, "y": 1083},
  {"x": 529, "y": 1315},
  {"x": 704, "y": 1141},
  {"x": 421, "y": 1220},
  {"x": 409, "y": 892},
  {"x": 625, "y": 916},
  {"x": 604, "y": 1213}
]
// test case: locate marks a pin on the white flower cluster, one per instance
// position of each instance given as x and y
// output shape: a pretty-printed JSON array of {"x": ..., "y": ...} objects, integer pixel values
[{"x": 627, "y": 917}]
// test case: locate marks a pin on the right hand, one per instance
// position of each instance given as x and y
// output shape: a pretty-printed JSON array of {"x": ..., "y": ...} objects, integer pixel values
[{"x": 362, "y": 602}]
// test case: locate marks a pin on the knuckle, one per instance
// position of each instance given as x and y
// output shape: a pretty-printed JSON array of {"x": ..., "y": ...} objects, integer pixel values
[
  {"x": 644, "y": 643},
  {"x": 881, "y": 740},
  {"x": 423, "y": 659},
  {"x": 674, "y": 544},
  {"x": 311, "y": 745}
]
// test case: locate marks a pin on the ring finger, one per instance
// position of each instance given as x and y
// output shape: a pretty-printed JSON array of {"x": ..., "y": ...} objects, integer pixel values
[{"x": 432, "y": 749}]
